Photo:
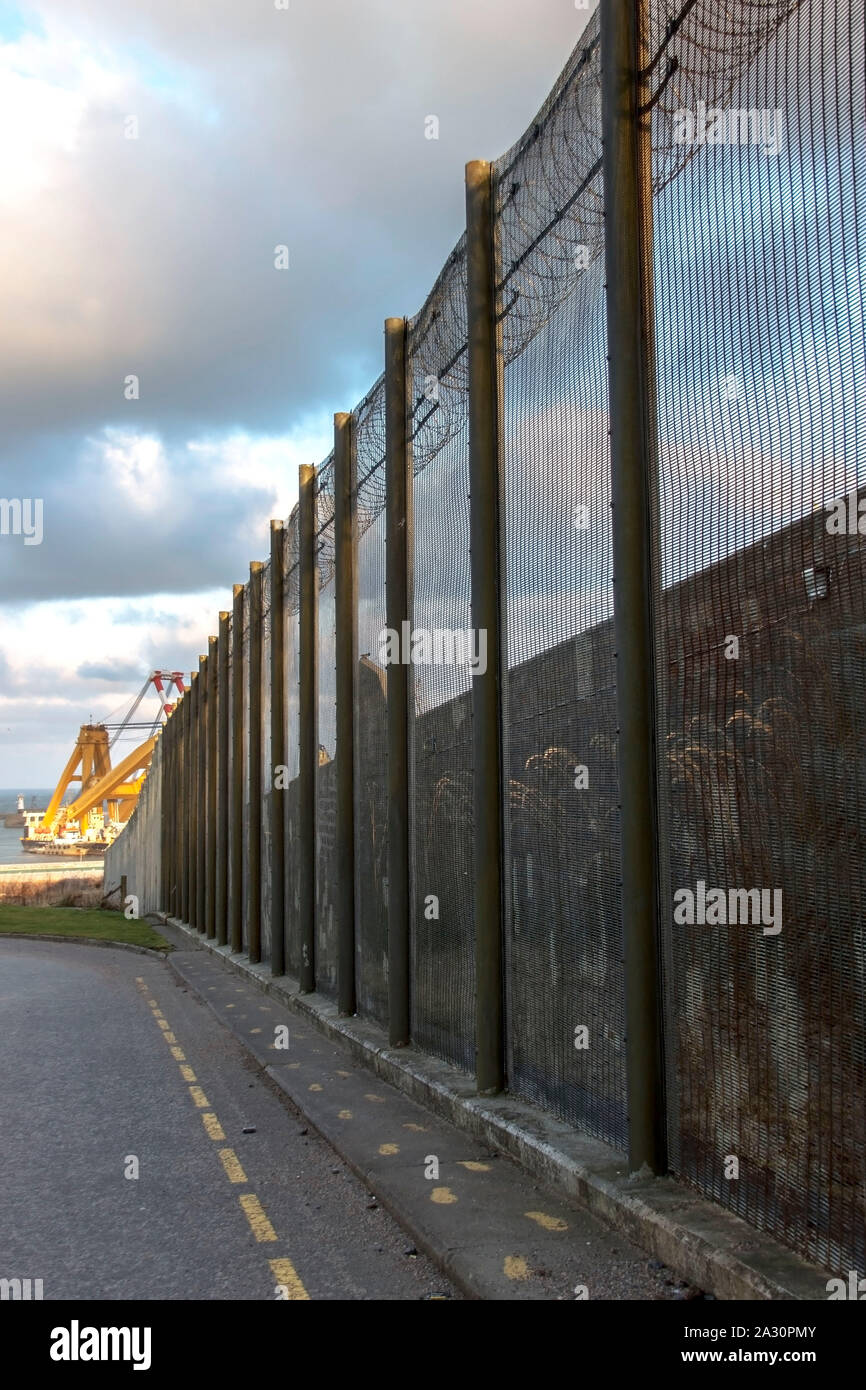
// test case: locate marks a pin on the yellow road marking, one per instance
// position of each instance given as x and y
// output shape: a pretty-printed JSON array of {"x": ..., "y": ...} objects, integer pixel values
[
  {"x": 515, "y": 1267},
  {"x": 213, "y": 1126},
  {"x": 178, "y": 1054},
  {"x": 443, "y": 1195},
  {"x": 199, "y": 1098},
  {"x": 380, "y": 1099},
  {"x": 418, "y": 1129},
  {"x": 255, "y": 1214},
  {"x": 389, "y": 1148},
  {"x": 163, "y": 1024},
  {"x": 345, "y": 1115},
  {"x": 187, "y": 1073},
  {"x": 170, "y": 1038},
  {"x": 473, "y": 1167},
  {"x": 255, "y": 1030},
  {"x": 230, "y": 1006},
  {"x": 550, "y": 1223},
  {"x": 343, "y": 1073},
  {"x": 231, "y": 1163},
  {"x": 285, "y": 1273},
  {"x": 153, "y": 1004},
  {"x": 315, "y": 1086}
]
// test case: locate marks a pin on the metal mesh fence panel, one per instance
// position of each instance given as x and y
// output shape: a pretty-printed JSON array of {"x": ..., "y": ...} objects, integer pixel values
[
  {"x": 758, "y": 492},
  {"x": 371, "y": 719},
  {"x": 326, "y": 781},
  {"x": 563, "y": 937},
  {"x": 267, "y": 771},
  {"x": 440, "y": 732},
  {"x": 245, "y": 653},
  {"x": 231, "y": 886},
  {"x": 760, "y": 641},
  {"x": 291, "y": 605}
]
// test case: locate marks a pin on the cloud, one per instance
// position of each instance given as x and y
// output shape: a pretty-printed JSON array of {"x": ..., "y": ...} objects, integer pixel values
[
  {"x": 154, "y": 256},
  {"x": 105, "y": 671},
  {"x": 47, "y": 691},
  {"x": 132, "y": 512}
]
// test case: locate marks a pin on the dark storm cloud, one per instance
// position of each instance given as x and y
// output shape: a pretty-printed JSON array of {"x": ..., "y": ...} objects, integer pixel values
[
  {"x": 102, "y": 537},
  {"x": 104, "y": 671},
  {"x": 259, "y": 127},
  {"x": 155, "y": 257}
]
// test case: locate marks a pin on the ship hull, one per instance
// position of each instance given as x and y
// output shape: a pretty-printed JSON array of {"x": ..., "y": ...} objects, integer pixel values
[{"x": 87, "y": 850}]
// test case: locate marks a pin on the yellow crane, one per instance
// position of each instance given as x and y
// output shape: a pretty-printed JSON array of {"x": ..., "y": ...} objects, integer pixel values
[{"x": 108, "y": 794}]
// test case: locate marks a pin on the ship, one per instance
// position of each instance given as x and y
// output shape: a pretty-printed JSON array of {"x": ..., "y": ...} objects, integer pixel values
[{"x": 91, "y": 822}]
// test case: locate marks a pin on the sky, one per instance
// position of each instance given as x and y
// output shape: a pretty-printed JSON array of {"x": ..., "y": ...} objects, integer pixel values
[{"x": 152, "y": 158}]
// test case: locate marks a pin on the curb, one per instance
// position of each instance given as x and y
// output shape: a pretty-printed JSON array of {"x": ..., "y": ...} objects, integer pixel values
[
  {"x": 86, "y": 941},
  {"x": 704, "y": 1244}
]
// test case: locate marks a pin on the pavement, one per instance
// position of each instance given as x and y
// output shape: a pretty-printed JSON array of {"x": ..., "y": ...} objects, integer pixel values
[
  {"x": 110, "y": 1067},
  {"x": 694, "y": 1243},
  {"x": 492, "y": 1229},
  {"x": 270, "y": 1163}
]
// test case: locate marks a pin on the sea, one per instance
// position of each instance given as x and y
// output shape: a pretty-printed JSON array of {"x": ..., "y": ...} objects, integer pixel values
[{"x": 35, "y": 798}]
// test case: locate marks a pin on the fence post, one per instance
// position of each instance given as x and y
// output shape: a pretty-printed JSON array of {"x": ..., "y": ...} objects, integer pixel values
[
  {"x": 346, "y": 607},
  {"x": 184, "y": 808},
  {"x": 254, "y": 822},
  {"x": 190, "y": 797},
  {"x": 222, "y": 780},
  {"x": 211, "y": 760},
  {"x": 180, "y": 809},
  {"x": 308, "y": 720},
  {"x": 397, "y": 493},
  {"x": 628, "y": 273},
  {"x": 194, "y": 795},
  {"x": 201, "y": 810},
  {"x": 173, "y": 803},
  {"x": 237, "y": 812},
  {"x": 278, "y": 800},
  {"x": 159, "y": 767},
  {"x": 485, "y": 522},
  {"x": 177, "y": 807}
]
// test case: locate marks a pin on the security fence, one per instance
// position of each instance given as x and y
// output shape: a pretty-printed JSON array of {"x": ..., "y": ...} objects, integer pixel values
[{"x": 617, "y": 865}]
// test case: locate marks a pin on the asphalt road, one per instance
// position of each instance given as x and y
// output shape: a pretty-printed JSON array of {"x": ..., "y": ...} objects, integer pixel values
[{"x": 108, "y": 1066}]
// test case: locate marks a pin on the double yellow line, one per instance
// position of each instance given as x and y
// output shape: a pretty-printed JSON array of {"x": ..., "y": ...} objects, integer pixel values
[{"x": 283, "y": 1270}]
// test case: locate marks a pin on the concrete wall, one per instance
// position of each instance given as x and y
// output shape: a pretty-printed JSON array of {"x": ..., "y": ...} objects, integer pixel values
[{"x": 137, "y": 851}]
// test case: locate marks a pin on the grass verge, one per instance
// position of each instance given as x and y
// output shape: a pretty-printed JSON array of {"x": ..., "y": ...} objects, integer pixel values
[{"x": 88, "y": 924}]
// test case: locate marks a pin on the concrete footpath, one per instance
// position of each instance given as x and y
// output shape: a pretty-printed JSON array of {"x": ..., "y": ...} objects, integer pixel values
[
  {"x": 564, "y": 1222},
  {"x": 145, "y": 1157},
  {"x": 493, "y": 1231}
]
